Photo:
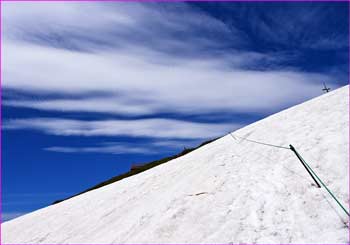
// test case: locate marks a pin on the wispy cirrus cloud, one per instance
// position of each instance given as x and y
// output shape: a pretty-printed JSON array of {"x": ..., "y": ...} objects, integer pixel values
[
  {"x": 114, "y": 105},
  {"x": 153, "y": 128},
  {"x": 166, "y": 135},
  {"x": 150, "y": 148},
  {"x": 149, "y": 54},
  {"x": 115, "y": 149}
]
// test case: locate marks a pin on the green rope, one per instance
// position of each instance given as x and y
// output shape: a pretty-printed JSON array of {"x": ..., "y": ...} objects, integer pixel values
[
  {"x": 324, "y": 185},
  {"x": 307, "y": 165},
  {"x": 260, "y": 143}
]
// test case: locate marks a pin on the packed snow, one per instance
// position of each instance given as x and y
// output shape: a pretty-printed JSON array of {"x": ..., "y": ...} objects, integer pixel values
[{"x": 229, "y": 191}]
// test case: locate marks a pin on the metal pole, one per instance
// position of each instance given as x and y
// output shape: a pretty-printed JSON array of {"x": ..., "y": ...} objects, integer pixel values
[{"x": 307, "y": 169}]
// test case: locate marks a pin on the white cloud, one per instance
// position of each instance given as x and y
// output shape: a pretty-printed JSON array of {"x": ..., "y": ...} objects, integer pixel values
[
  {"x": 115, "y": 149},
  {"x": 103, "y": 105},
  {"x": 189, "y": 86},
  {"x": 154, "y": 128},
  {"x": 152, "y": 80},
  {"x": 152, "y": 147}
]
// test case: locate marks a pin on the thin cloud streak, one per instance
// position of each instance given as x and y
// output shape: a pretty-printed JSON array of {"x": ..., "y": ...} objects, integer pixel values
[
  {"x": 101, "y": 105},
  {"x": 118, "y": 148},
  {"x": 153, "y": 128}
]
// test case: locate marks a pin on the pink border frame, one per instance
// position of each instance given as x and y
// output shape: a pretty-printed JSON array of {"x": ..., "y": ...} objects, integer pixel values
[{"x": 161, "y": 1}]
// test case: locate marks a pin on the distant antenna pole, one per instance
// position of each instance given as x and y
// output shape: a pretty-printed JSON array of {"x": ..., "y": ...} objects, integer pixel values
[{"x": 325, "y": 89}]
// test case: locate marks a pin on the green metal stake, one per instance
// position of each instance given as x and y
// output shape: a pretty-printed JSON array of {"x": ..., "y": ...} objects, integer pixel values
[
  {"x": 307, "y": 169},
  {"x": 324, "y": 185}
]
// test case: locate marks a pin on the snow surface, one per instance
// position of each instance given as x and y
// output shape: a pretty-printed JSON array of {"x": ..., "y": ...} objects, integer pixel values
[{"x": 225, "y": 192}]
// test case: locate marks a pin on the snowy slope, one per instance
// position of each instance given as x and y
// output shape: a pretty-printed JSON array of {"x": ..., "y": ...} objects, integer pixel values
[{"x": 225, "y": 192}]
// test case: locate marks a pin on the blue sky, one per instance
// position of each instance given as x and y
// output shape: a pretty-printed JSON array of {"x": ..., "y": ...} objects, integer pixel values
[{"x": 90, "y": 88}]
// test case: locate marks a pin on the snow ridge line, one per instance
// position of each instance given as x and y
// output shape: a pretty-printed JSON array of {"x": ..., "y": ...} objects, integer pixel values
[{"x": 303, "y": 161}]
